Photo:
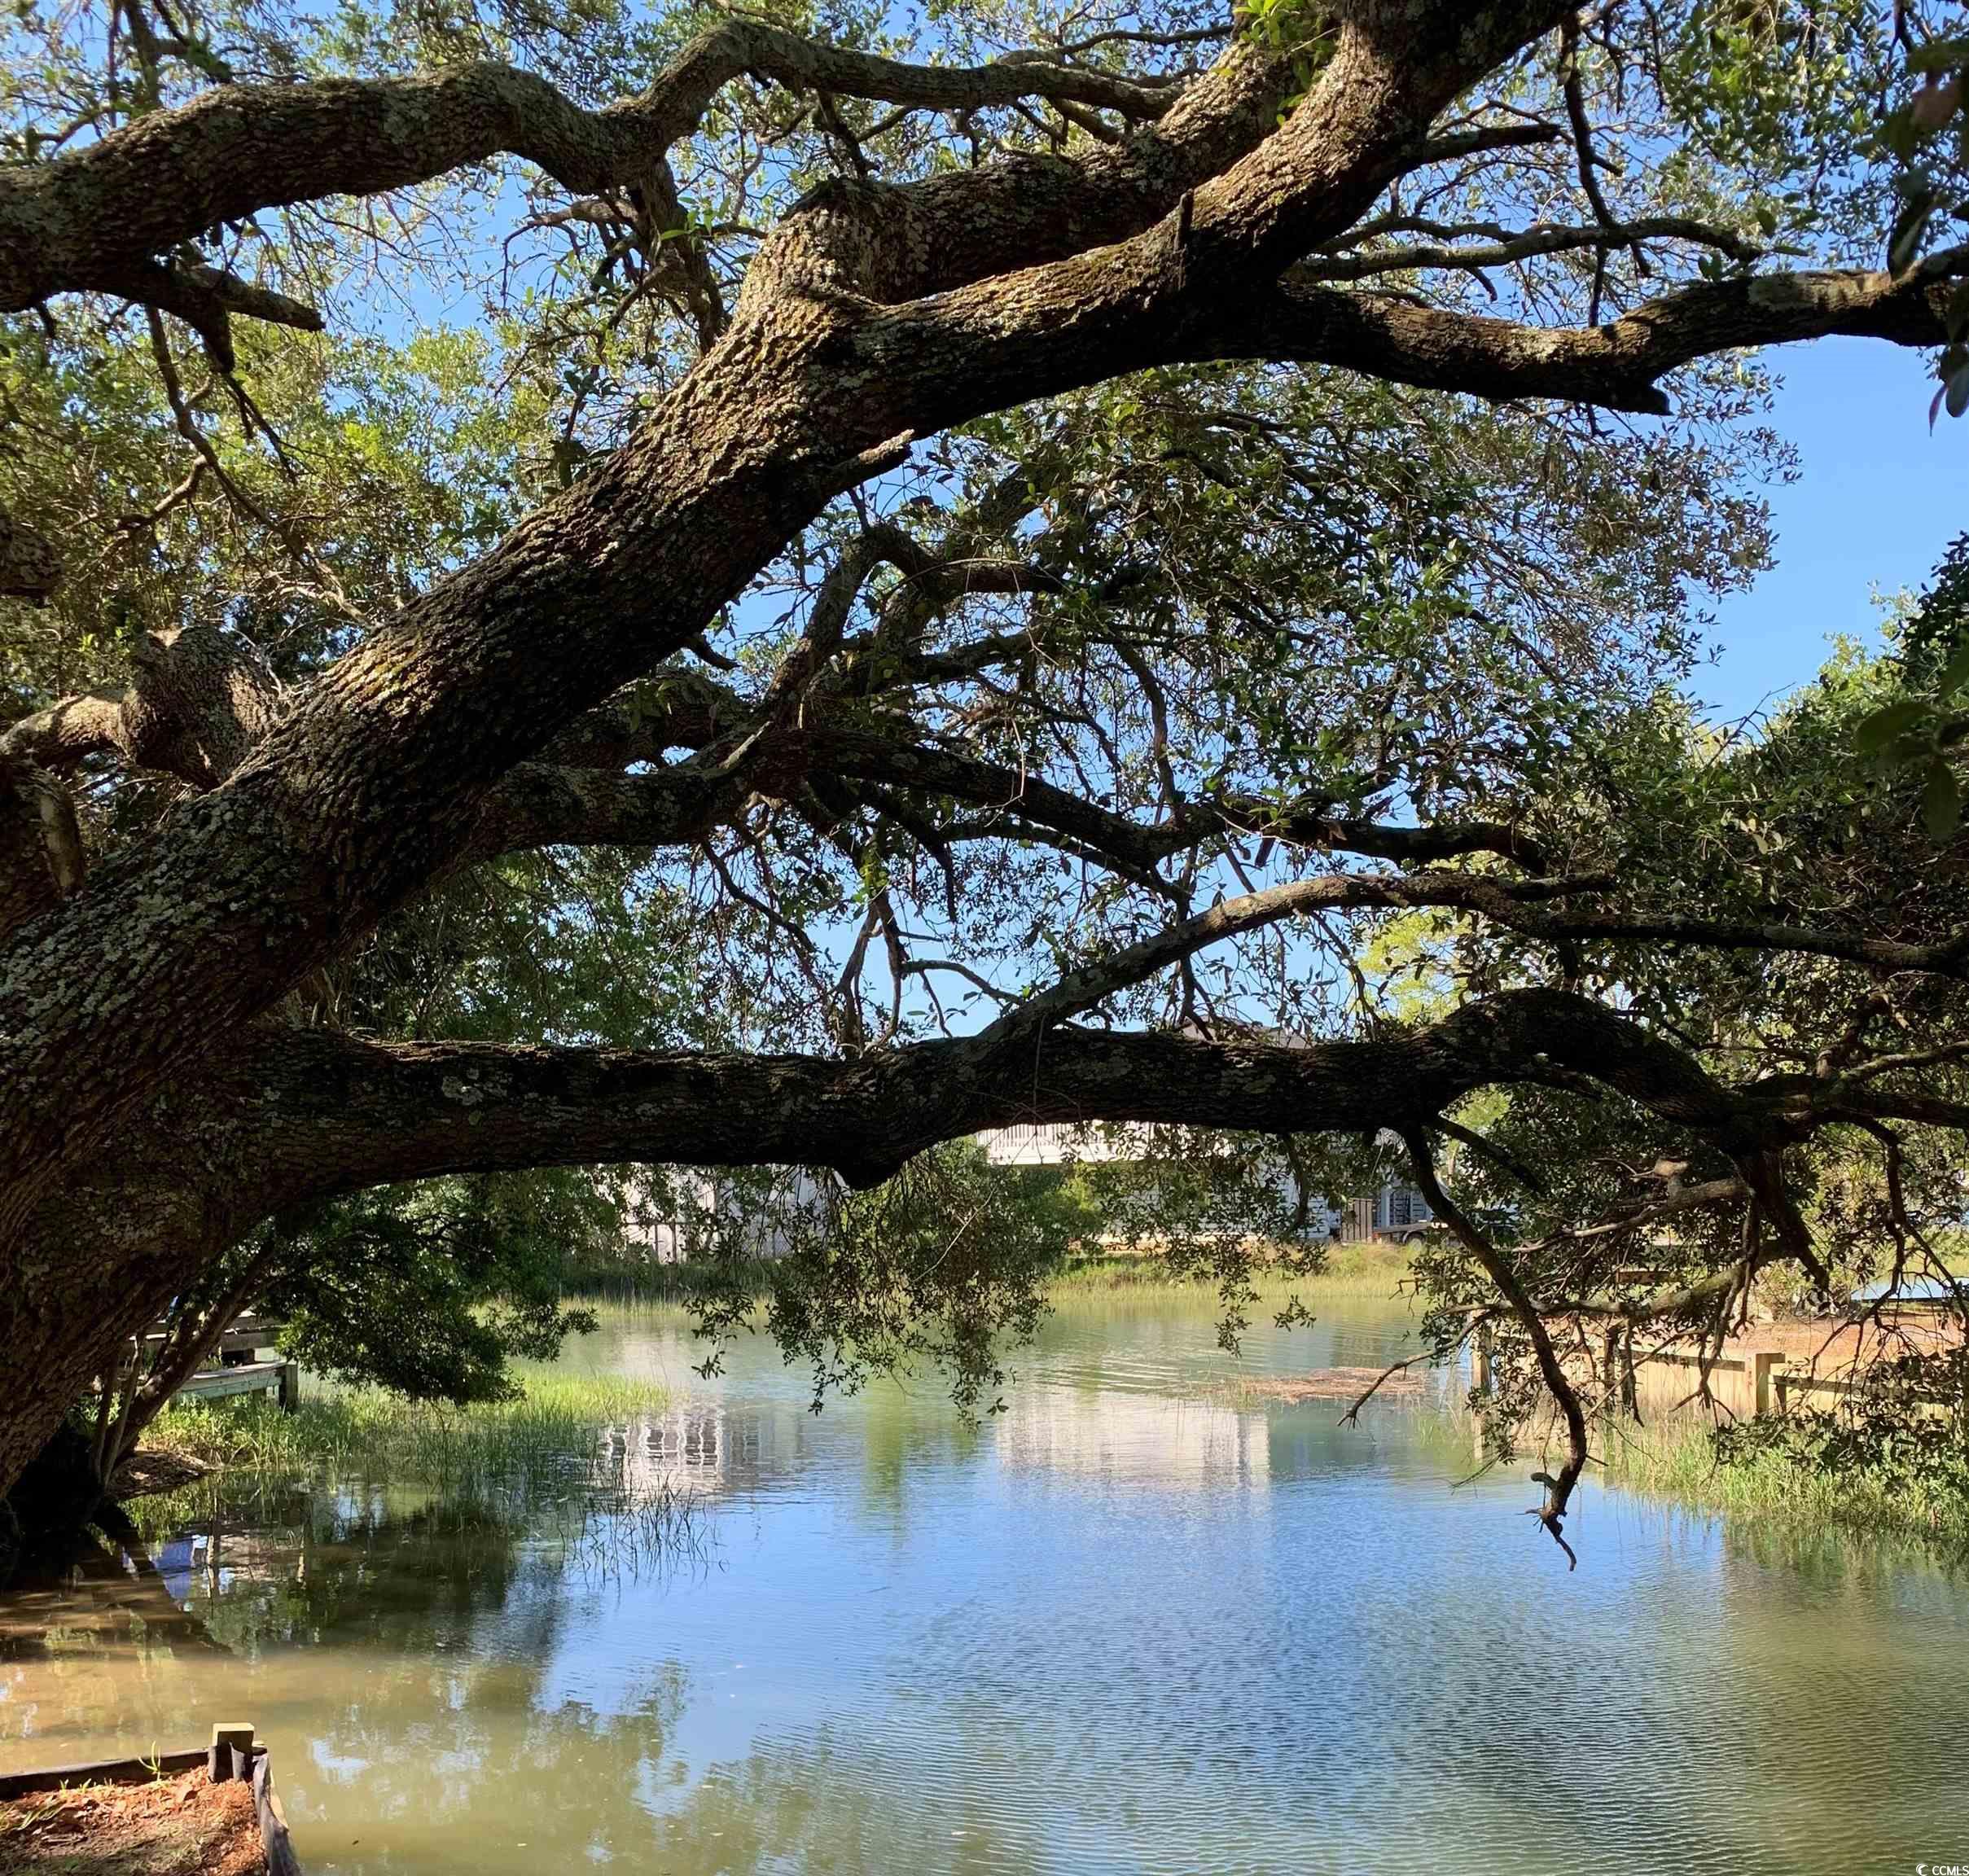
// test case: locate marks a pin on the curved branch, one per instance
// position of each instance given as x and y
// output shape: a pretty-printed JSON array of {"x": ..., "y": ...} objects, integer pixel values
[
  {"x": 206, "y": 300},
  {"x": 1081, "y": 990},
  {"x": 1558, "y": 1490},
  {"x": 1028, "y": 798},
  {"x": 1615, "y": 365},
  {"x": 1525, "y": 245},
  {"x": 200, "y": 699}
]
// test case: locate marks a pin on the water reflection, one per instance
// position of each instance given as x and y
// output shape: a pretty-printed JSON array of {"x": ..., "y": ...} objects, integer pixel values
[{"x": 1127, "y": 1626}]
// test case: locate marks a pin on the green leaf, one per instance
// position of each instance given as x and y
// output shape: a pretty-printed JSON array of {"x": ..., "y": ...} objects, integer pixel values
[
  {"x": 1881, "y": 728},
  {"x": 1941, "y": 803},
  {"x": 1956, "y": 674},
  {"x": 1904, "y": 243},
  {"x": 1957, "y": 396}
]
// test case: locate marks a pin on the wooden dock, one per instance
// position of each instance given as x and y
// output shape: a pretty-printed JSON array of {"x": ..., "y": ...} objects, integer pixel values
[
  {"x": 248, "y": 1334},
  {"x": 1745, "y": 1383},
  {"x": 237, "y": 1367},
  {"x": 280, "y": 1378}
]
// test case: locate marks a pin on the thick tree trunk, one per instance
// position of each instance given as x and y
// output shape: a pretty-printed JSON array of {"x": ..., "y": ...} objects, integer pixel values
[{"x": 104, "y": 1256}]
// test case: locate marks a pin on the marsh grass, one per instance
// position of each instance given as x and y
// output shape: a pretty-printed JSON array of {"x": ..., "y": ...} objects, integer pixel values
[
  {"x": 1676, "y": 1460},
  {"x": 541, "y": 1467},
  {"x": 616, "y": 1532},
  {"x": 551, "y": 1425},
  {"x": 1375, "y": 1270},
  {"x": 1363, "y": 1269},
  {"x": 645, "y": 1286}
]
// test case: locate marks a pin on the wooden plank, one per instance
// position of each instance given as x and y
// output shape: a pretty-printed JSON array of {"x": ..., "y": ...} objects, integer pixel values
[
  {"x": 1676, "y": 1358},
  {"x": 1801, "y": 1384},
  {"x": 273, "y": 1839},
  {"x": 101, "y": 1771}
]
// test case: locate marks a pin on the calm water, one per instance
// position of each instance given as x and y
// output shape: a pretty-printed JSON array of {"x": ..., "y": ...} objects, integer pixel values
[{"x": 1125, "y": 1627}]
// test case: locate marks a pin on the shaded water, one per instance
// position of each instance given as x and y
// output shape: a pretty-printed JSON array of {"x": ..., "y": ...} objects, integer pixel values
[{"x": 1126, "y": 1626}]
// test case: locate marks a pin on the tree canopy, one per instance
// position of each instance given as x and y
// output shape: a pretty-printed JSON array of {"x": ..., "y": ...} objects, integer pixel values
[{"x": 665, "y": 584}]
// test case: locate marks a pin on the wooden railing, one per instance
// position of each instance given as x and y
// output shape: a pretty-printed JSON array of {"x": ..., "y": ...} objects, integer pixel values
[{"x": 1753, "y": 1381}]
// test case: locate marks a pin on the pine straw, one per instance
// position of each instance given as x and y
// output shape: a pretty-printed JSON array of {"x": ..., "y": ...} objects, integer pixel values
[{"x": 181, "y": 1826}]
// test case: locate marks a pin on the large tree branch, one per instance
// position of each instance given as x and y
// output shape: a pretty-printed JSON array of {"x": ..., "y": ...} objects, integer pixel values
[
  {"x": 332, "y": 1114},
  {"x": 97, "y": 217},
  {"x": 66, "y": 732},
  {"x": 284, "y": 1114},
  {"x": 1024, "y": 797},
  {"x": 200, "y": 701},
  {"x": 894, "y": 243},
  {"x": 1948, "y": 957},
  {"x": 1510, "y": 247}
]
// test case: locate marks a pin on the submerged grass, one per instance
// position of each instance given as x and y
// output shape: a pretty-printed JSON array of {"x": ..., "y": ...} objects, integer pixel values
[{"x": 363, "y": 1432}]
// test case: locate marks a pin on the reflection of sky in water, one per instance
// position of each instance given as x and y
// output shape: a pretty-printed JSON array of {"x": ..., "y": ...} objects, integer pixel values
[{"x": 1124, "y": 1626}]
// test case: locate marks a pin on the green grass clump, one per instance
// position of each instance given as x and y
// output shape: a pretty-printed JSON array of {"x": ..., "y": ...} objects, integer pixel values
[
  {"x": 365, "y": 1432},
  {"x": 1773, "y": 1483}
]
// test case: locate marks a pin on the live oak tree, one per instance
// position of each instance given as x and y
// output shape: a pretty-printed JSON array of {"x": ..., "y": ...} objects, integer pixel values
[{"x": 945, "y": 586}]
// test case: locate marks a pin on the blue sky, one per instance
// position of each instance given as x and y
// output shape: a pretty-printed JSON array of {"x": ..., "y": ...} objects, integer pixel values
[{"x": 1877, "y": 499}]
